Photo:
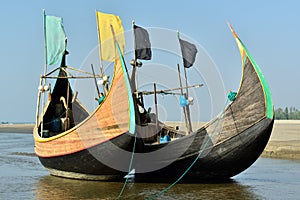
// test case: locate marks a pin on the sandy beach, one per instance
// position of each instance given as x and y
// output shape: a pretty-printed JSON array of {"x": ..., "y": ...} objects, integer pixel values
[
  {"x": 283, "y": 144},
  {"x": 285, "y": 140},
  {"x": 16, "y": 128}
]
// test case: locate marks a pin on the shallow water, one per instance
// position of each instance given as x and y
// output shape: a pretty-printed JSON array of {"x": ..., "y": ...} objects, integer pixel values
[{"x": 23, "y": 177}]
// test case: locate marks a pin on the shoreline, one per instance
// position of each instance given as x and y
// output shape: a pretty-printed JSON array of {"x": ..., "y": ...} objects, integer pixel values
[
  {"x": 284, "y": 142},
  {"x": 16, "y": 128}
]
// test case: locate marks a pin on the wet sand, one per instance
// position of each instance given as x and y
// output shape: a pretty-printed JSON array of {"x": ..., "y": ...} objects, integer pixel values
[{"x": 283, "y": 144}]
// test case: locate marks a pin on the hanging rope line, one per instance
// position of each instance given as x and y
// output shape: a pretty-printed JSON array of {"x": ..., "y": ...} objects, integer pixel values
[
  {"x": 129, "y": 169},
  {"x": 196, "y": 159}
]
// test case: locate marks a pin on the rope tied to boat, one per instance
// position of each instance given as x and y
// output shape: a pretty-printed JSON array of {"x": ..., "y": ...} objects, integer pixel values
[
  {"x": 196, "y": 159},
  {"x": 129, "y": 169}
]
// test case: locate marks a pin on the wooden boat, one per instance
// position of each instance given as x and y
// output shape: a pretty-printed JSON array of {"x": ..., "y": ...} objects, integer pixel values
[
  {"x": 73, "y": 153},
  {"x": 225, "y": 146},
  {"x": 114, "y": 139}
]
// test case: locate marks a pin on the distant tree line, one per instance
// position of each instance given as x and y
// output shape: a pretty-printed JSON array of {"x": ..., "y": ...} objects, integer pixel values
[{"x": 287, "y": 113}]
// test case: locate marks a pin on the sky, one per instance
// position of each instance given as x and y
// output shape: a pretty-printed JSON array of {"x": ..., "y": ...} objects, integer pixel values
[{"x": 269, "y": 29}]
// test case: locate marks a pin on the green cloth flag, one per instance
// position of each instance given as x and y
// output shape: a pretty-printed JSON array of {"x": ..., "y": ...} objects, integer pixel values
[{"x": 54, "y": 39}]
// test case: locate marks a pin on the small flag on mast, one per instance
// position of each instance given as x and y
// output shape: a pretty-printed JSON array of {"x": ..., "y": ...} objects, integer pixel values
[
  {"x": 54, "y": 39},
  {"x": 142, "y": 43},
  {"x": 189, "y": 52},
  {"x": 106, "y": 37}
]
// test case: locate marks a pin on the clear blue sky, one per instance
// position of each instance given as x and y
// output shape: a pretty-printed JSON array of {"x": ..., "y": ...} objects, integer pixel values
[{"x": 269, "y": 29}]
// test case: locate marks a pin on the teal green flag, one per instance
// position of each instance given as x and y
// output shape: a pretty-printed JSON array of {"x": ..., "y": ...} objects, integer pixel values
[{"x": 55, "y": 39}]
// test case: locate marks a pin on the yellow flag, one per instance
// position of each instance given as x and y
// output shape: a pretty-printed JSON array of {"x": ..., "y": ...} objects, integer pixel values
[{"x": 106, "y": 37}]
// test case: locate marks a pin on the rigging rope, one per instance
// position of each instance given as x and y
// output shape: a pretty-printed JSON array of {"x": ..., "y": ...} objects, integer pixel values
[
  {"x": 196, "y": 159},
  {"x": 130, "y": 165},
  {"x": 184, "y": 173}
]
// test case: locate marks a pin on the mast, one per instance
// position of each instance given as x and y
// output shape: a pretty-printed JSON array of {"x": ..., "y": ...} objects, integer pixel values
[
  {"x": 133, "y": 80},
  {"x": 188, "y": 114},
  {"x": 184, "y": 108},
  {"x": 100, "y": 53},
  {"x": 45, "y": 43},
  {"x": 43, "y": 81},
  {"x": 156, "y": 113},
  {"x": 67, "y": 109},
  {"x": 188, "y": 51},
  {"x": 94, "y": 75}
]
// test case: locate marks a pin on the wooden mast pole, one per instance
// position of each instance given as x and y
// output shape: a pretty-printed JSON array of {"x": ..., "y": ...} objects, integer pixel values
[
  {"x": 67, "y": 109},
  {"x": 156, "y": 112},
  {"x": 134, "y": 78},
  {"x": 45, "y": 70},
  {"x": 95, "y": 80},
  {"x": 181, "y": 91},
  {"x": 38, "y": 104},
  {"x": 45, "y": 43},
  {"x": 100, "y": 52},
  {"x": 187, "y": 106}
]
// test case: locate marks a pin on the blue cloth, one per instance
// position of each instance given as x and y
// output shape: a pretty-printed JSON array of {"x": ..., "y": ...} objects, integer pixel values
[
  {"x": 183, "y": 101},
  {"x": 164, "y": 139}
]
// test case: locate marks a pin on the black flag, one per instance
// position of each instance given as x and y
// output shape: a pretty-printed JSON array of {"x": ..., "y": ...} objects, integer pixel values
[
  {"x": 189, "y": 52},
  {"x": 142, "y": 43}
]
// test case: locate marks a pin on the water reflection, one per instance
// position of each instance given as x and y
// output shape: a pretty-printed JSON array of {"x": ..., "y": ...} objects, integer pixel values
[{"x": 50, "y": 187}]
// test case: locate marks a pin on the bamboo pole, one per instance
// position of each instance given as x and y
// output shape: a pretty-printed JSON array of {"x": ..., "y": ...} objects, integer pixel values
[
  {"x": 156, "y": 113},
  {"x": 70, "y": 77},
  {"x": 71, "y": 68},
  {"x": 187, "y": 106},
  {"x": 38, "y": 105},
  {"x": 45, "y": 43},
  {"x": 100, "y": 53},
  {"x": 67, "y": 113},
  {"x": 95, "y": 80},
  {"x": 100, "y": 49},
  {"x": 181, "y": 91},
  {"x": 134, "y": 78},
  {"x": 45, "y": 70},
  {"x": 170, "y": 90},
  {"x": 115, "y": 41}
]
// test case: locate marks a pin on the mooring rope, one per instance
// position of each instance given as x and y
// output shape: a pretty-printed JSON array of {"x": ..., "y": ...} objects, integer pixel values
[
  {"x": 196, "y": 159},
  {"x": 130, "y": 165}
]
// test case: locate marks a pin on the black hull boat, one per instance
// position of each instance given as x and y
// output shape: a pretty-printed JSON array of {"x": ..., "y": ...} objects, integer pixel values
[{"x": 113, "y": 140}]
